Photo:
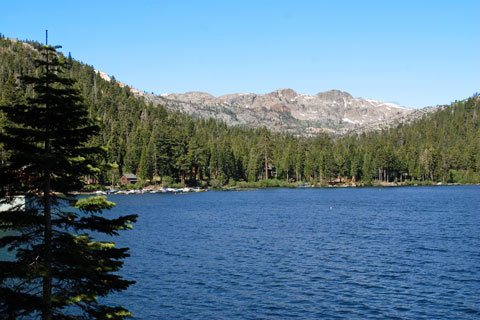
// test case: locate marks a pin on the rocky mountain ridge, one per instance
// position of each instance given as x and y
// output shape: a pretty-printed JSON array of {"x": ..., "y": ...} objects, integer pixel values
[{"x": 284, "y": 110}]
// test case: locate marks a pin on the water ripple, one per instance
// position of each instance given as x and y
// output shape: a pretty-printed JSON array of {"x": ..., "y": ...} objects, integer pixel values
[{"x": 397, "y": 253}]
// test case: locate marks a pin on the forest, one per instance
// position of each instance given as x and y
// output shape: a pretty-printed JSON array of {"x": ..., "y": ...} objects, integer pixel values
[{"x": 164, "y": 147}]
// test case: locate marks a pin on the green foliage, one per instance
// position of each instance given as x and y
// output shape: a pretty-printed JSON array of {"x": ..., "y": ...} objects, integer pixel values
[
  {"x": 270, "y": 183},
  {"x": 58, "y": 269},
  {"x": 94, "y": 204},
  {"x": 136, "y": 185},
  {"x": 145, "y": 138},
  {"x": 216, "y": 183},
  {"x": 167, "y": 181},
  {"x": 177, "y": 185}
]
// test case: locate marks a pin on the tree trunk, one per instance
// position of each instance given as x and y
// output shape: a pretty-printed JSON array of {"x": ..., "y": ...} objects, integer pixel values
[
  {"x": 47, "y": 235},
  {"x": 47, "y": 244}
]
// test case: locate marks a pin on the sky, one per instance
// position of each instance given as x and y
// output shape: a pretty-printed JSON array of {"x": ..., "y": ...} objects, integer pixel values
[{"x": 414, "y": 53}]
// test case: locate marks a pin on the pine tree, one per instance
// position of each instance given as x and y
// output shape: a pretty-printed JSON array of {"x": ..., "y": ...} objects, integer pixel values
[
  {"x": 58, "y": 269},
  {"x": 253, "y": 165},
  {"x": 299, "y": 162},
  {"x": 265, "y": 146},
  {"x": 10, "y": 95},
  {"x": 147, "y": 159}
]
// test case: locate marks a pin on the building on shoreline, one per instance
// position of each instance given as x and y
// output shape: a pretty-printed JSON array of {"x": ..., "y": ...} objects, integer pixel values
[{"x": 128, "y": 178}]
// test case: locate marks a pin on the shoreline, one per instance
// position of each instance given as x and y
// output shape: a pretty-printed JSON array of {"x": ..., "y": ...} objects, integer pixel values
[
  {"x": 252, "y": 188},
  {"x": 339, "y": 186}
]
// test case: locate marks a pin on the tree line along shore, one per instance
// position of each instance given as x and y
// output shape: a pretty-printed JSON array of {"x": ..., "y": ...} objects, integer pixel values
[{"x": 171, "y": 149}]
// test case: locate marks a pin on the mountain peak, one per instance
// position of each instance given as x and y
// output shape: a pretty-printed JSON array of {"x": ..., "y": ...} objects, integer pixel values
[
  {"x": 333, "y": 95},
  {"x": 285, "y": 92},
  {"x": 191, "y": 96},
  {"x": 286, "y": 111}
]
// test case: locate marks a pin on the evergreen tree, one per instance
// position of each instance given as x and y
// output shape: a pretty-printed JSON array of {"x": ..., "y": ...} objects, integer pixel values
[
  {"x": 441, "y": 146},
  {"x": 367, "y": 168},
  {"x": 10, "y": 96},
  {"x": 299, "y": 162},
  {"x": 253, "y": 165},
  {"x": 181, "y": 160},
  {"x": 265, "y": 146},
  {"x": 147, "y": 160},
  {"x": 289, "y": 160},
  {"x": 58, "y": 269}
]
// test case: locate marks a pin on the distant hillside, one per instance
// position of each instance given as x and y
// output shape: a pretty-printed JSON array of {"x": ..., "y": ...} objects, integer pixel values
[
  {"x": 285, "y": 110},
  {"x": 439, "y": 144}
]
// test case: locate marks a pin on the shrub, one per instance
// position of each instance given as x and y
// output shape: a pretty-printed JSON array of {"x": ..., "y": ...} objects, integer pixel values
[
  {"x": 216, "y": 183},
  {"x": 167, "y": 181}
]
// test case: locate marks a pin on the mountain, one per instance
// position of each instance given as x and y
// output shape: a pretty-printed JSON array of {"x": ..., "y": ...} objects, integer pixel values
[
  {"x": 440, "y": 144},
  {"x": 284, "y": 110}
]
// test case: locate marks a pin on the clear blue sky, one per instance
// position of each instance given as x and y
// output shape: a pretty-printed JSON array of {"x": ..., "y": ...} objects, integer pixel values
[{"x": 416, "y": 53}]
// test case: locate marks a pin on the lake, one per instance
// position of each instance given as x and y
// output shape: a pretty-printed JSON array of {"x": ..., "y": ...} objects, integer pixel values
[{"x": 333, "y": 253}]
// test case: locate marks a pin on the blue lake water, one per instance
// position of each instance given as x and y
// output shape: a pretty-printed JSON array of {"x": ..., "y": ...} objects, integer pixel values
[{"x": 369, "y": 253}]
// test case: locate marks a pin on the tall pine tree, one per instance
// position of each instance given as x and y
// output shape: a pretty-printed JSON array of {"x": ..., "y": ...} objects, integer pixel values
[{"x": 57, "y": 269}]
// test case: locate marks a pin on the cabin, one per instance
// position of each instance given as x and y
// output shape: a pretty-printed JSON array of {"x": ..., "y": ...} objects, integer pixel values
[{"x": 128, "y": 178}]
